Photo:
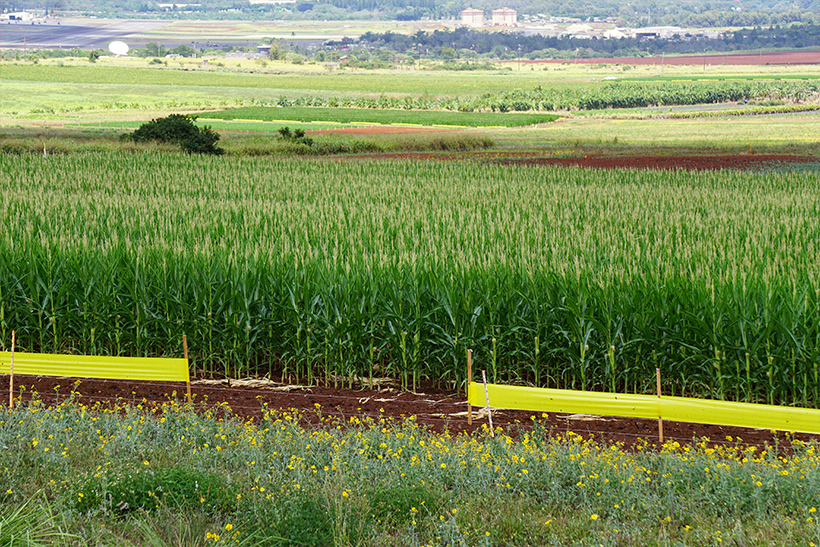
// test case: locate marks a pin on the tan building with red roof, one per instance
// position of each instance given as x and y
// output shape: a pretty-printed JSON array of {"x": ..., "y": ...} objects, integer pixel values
[
  {"x": 505, "y": 17},
  {"x": 472, "y": 17}
]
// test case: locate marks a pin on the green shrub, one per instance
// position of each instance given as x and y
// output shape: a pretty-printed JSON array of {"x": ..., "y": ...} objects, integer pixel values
[
  {"x": 297, "y": 135},
  {"x": 401, "y": 505},
  {"x": 148, "y": 490},
  {"x": 179, "y": 129}
]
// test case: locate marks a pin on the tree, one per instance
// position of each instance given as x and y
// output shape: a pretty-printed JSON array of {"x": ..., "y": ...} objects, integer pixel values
[
  {"x": 179, "y": 129},
  {"x": 155, "y": 50},
  {"x": 185, "y": 51}
]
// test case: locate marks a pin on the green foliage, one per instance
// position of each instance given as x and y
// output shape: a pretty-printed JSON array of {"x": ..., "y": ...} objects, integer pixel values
[
  {"x": 152, "y": 49},
  {"x": 148, "y": 490},
  {"x": 400, "y": 505},
  {"x": 297, "y": 136},
  {"x": 33, "y": 523},
  {"x": 319, "y": 270},
  {"x": 387, "y": 116},
  {"x": 305, "y": 522},
  {"x": 179, "y": 129}
]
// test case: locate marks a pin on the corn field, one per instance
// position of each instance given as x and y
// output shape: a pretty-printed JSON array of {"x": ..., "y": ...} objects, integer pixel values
[{"x": 323, "y": 272}]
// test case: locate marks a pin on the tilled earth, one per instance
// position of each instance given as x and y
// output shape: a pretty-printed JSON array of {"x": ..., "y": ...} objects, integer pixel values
[
  {"x": 693, "y": 162},
  {"x": 435, "y": 408}
]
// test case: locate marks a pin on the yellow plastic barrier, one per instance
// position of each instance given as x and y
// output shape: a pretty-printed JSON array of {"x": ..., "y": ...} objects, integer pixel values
[
  {"x": 86, "y": 366},
  {"x": 678, "y": 409}
]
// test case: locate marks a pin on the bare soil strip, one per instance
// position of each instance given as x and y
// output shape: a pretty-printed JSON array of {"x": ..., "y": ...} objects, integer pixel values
[{"x": 435, "y": 408}]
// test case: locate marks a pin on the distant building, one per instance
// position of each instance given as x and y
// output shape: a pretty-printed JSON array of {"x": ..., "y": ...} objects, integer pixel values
[
  {"x": 579, "y": 29},
  {"x": 614, "y": 34},
  {"x": 657, "y": 32},
  {"x": 505, "y": 17},
  {"x": 546, "y": 30},
  {"x": 19, "y": 16},
  {"x": 472, "y": 17}
]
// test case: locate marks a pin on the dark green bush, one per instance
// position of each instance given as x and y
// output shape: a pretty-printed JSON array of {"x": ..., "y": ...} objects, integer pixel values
[
  {"x": 297, "y": 136},
  {"x": 400, "y": 505},
  {"x": 179, "y": 129},
  {"x": 147, "y": 490}
]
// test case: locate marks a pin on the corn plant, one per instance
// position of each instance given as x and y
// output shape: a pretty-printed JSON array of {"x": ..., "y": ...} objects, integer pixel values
[{"x": 335, "y": 273}]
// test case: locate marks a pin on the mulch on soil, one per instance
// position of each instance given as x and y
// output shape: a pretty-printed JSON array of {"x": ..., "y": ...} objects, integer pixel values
[{"x": 435, "y": 408}]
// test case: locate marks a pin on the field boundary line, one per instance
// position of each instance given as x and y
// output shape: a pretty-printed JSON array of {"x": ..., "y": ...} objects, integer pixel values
[{"x": 103, "y": 367}]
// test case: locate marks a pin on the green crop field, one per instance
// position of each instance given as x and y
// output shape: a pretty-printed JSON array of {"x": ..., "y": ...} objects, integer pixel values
[
  {"x": 566, "y": 278},
  {"x": 359, "y": 115},
  {"x": 256, "y": 77}
]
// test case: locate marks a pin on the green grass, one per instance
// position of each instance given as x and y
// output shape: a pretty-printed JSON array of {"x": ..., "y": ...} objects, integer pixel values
[
  {"x": 360, "y": 115},
  {"x": 229, "y": 126},
  {"x": 74, "y": 475},
  {"x": 275, "y": 82},
  {"x": 795, "y": 133}
]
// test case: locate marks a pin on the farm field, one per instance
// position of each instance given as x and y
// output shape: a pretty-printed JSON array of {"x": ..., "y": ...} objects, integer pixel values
[
  {"x": 157, "y": 473},
  {"x": 582, "y": 253},
  {"x": 574, "y": 279},
  {"x": 385, "y": 116}
]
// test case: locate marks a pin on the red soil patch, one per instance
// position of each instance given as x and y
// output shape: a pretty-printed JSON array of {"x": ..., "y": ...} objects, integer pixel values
[
  {"x": 746, "y": 59},
  {"x": 712, "y": 162},
  {"x": 436, "y": 408},
  {"x": 693, "y": 163}
]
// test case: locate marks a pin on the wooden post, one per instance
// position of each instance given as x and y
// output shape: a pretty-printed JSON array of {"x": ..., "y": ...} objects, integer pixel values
[
  {"x": 11, "y": 373},
  {"x": 660, "y": 418},
  {"x": 487, "y": 398},
  {"x": 469, "y": 379},
  {"x": 185, "y": 349}
]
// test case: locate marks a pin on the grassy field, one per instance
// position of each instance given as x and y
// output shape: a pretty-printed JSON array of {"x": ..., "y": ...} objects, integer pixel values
[
  {"x": 227, "y": 125},
  {"x": 136, "y": 474},
  {"x": 386, "y": 116},
  {"x": 784, "y": 132}
]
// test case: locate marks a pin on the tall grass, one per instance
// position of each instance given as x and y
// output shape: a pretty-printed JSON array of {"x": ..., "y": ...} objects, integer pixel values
[{"x": 323, "y": 270}]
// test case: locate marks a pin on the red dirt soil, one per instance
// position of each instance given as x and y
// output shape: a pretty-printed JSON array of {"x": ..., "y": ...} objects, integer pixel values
[
  {"x": 436, "y": 408},
  {"x": 699, "y": 162},
  {"x": 696, "y": 163}
]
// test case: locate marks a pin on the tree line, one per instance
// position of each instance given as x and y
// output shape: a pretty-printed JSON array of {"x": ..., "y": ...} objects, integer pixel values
[
  {"x": 711, "y": 13},
  {"x": 467, "y": 43}
]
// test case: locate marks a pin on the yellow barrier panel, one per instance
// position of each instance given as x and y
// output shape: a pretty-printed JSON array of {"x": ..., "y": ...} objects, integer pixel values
[
  {"x": 103, "y": 367},
  {"x": 678, "y": 409}
]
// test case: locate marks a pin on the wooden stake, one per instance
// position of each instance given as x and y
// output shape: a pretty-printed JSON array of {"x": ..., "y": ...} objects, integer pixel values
[
  {"x": 185, "y": 349},
  {"x": 660, "y": 418},
  {"x": 469, "y": 379},
  {"x": 487, "y": 398},
  {"x": 11, "y": 373}
]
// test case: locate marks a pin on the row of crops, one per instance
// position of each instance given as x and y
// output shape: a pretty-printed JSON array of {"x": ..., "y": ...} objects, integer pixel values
[
  {"x": 564, "y": 278},
  {"x": 381, "y": 116},
  {"x": 591, "y": 97}
]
